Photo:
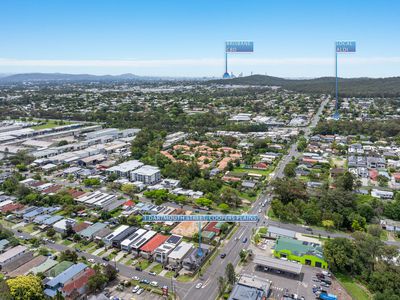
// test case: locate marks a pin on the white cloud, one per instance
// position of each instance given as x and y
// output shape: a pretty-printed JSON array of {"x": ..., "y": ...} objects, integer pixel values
[{"x": 203, "y": 62}]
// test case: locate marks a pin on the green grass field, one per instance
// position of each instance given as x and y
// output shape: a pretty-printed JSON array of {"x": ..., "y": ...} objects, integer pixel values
[
  {"x": 144, "y": 264},
  {"x": 246, "y": 196},
  {"x": 157, "y": 269},
  {"x": 66, "y": 242},
  {"x": 353, "y": 288},
  {"x": 184, "y": 278},
  {"x": 255, "y": 171},
  {"x": 49, "y": 124},
  {"x": 169, "y": 274}
]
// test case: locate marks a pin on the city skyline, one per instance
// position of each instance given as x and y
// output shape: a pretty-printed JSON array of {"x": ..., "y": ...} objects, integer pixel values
[{"x": 187, "y": 39}]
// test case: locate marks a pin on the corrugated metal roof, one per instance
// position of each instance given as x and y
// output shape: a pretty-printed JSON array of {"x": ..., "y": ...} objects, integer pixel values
[{"x": 67, "y": 274}]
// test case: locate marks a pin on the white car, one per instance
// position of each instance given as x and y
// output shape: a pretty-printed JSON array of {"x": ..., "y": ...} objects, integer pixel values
[
  {"x": 140, "y": 291},
  {"x": 154, "y": 283},
  {"x": 136, "y": 278},
  {"x": 326, "y": 273},
  {"x": 135, "y": 289},
  {"x": 91, "y": 260},
  {"x": 199, "y": 285}
]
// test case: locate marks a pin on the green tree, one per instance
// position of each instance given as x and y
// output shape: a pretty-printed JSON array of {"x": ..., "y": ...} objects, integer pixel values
[
  {"x": 69, "y": 255},
  {"x": 230, "y": 196},
  {"x": 128, "y": 189},
  {"x": 328, "y": 224},
  {"x": 223, "y": 207},
  {"x": 345, "y": 181},
  {"x": 338, "y": 252},
  {"x": 290, "y": 170},
  {"x": 230, "y": 273},
  {"x": 97, "y": 282},
  {"x": 26, "y": 287},
  {"x": 289, "y": 189},
  {"x": 221, "y": 285},
  {"x": 204, "y": 202},
  {"x": 110, "y": 272},
  {"x": 50, "y": 232}
]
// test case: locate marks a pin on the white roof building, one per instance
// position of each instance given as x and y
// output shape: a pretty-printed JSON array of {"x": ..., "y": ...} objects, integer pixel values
[{"x": 124, "y": 169}]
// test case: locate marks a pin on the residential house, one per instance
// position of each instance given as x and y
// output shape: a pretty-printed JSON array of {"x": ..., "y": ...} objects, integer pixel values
[
  {"x": 175, "y": 258},
  {"x": 148, "y": 249},
  {"x": 195, "y": 258},
  {"x": 90, "y": 232},
  {"x": 162, "y": 252},
  {"x": 58, "y": 283},
  {"x": 377, "y": 193}
]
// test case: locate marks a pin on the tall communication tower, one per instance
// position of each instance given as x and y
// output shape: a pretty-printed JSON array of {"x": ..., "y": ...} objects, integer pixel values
[{"x": 236, "y": 47}]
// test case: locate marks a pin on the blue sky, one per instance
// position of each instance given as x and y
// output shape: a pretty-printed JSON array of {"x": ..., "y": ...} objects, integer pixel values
[{"x": 292, "y": 38}]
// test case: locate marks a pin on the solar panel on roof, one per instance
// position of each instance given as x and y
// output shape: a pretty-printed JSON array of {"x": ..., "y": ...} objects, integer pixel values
[{"x": 173, "y": 239}]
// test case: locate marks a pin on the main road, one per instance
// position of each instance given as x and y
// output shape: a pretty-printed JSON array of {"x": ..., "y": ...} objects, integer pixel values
[{"x": 241, "y": 238}]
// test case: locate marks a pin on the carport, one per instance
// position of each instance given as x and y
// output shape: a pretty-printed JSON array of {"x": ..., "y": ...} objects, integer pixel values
[{"x": 280, "y": 265}]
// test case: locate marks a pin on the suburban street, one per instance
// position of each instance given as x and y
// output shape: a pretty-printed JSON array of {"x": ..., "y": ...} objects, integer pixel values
[
  {"x": 240, "y": 239},
  {"x": 232, "y": 247}
]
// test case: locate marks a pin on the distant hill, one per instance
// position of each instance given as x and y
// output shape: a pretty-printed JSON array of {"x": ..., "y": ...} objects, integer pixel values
[
  {"x": 389, "y": 86},
  {"x": 62, "y": 77},
  {"x": 69, "y": 77}
]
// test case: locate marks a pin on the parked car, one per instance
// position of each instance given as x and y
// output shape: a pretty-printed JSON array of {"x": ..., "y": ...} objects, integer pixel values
[
  {"x": 140, "y": 291},
  {"x": 326, "y": 273},
  {"x": 145, "y": 281},
  {"x": 135, "y": 289},
  {"x": 91, "y": 260},
  {"x": 138, "y": 269},
  {"x": 153, "y": 273},
  {"x": 105, "y": 258},
  {"x": 223, "y": 255},
  {"x": 136, "y": 278},
  {"x": 245, "y": 240},
  {"x": 154, "y": 283},
  {"x": 199, "y": 285}
]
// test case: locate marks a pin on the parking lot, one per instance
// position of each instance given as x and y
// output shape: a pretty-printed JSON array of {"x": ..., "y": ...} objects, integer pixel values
[
  {"x": 301, "y": 286},
  {"x": 127, "y": 294}
]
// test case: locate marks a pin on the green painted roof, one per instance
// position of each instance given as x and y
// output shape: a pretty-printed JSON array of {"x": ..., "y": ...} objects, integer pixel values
[
  {"x": 44, "y": 266},
  {"x": 298, "y": 247},
  {"x": 218, "y": 225},
  {"x": 58, "y": 269},
  {"x": 208, "y": 234}
]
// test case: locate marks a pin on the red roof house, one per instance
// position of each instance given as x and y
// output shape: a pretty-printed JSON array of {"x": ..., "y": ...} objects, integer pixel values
[
  {"x": 149, "y": 248},
  {"x": 128, "y": 204},
  {"x": 373, "y": 174},
  {"x": 11, "y": 207},
  {"x": 260, "y": 165},
  {"x": 396, "y": 177},
  {"x": 79, "y": 284},
  {"x": 211, "y": 227},
  {"x": 75, "y": 194}
]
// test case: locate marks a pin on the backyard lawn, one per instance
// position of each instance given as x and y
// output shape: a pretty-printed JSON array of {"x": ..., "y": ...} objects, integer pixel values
[
  {"x": 353, "y": 288},
  {"x": 29, "y": 228}
]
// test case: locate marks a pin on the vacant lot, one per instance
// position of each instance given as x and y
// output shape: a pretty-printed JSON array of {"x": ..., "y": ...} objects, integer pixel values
[{"x": 353, "y": 288}]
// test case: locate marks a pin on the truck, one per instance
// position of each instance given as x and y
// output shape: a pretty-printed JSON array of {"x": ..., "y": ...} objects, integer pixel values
[{"x": 324, "y": 296}]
